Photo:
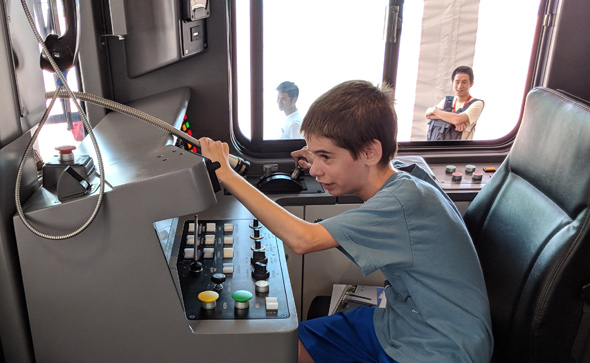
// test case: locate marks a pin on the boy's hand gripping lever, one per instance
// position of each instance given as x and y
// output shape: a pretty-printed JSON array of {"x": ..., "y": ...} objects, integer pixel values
[{"x": 240, "y": 165}]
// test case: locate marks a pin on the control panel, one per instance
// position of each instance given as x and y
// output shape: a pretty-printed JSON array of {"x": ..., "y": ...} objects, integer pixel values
[
  {"x": 463, "y": 176},
  {"x": 230, "y": 269}
]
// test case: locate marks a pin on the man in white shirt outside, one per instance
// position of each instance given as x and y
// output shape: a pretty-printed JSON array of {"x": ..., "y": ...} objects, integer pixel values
[{"x": 288, "y": 92}]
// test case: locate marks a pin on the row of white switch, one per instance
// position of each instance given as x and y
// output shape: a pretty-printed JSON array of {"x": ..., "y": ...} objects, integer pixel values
[
  {"x": 209, "y": 240},
  {"x": 228, "y": 228}
]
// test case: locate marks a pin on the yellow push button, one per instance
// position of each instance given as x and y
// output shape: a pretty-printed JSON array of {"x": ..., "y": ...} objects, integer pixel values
[{"x": 208, "y": 299}]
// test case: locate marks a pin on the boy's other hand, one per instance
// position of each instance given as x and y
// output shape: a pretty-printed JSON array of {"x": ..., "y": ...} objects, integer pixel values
[{"x": 303, "y": 158}]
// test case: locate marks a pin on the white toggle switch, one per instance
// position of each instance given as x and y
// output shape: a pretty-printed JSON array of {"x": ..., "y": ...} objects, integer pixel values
[
  {"x": 228, "y": 252},
  {"x": 272, "y": 304},
  {"x": 209, "y": 239},
  {"x": 191, "y": 227},
  {"x": 228, "y": 268},
  {"x": 190, "y": 240},
  {"x": 228, "y": 240},
  {"x": 208, "y": 252},
  {"x": 189, "y": 253},
  {"x": 228, "y": 228}
]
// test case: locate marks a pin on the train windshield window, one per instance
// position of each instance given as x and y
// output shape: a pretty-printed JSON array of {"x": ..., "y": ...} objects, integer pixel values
[{"x": 316, "y": 44}]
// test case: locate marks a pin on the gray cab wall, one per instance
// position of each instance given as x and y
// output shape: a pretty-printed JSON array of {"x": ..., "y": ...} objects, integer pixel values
[
  {"x": 568, "y": 59},
  {"x": 207, "y": 75}
]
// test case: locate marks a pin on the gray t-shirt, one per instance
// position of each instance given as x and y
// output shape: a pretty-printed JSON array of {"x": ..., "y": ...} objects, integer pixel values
[{"x": 437, "y": 306}]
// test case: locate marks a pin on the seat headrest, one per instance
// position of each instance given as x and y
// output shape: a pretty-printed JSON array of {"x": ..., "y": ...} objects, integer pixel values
[{"x": 563, "y": 175}]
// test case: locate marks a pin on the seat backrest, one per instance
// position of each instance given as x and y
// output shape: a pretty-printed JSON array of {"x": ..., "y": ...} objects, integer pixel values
[{"x": 530, "y": 226}]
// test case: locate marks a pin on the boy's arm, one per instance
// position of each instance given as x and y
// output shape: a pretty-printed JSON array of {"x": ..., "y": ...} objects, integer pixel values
[{"x": 301, "y": 236}]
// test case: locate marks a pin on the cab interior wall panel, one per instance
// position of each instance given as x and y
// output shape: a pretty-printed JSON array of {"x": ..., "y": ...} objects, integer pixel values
[
  {"x": 152, "y": 39},
  {"x": 568, "y": 68}
]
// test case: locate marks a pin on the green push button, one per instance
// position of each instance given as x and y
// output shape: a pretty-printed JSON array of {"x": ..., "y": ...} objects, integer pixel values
[
  {"x": 242, "y": 298},
  {"x": 241, "y": 295}
]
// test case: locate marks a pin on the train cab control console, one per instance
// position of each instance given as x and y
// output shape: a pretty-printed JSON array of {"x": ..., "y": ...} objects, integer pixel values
[{"x": 231, "y": 269}]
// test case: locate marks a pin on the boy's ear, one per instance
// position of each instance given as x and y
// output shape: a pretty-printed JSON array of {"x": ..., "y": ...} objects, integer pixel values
[{"x": 373, "y": 152}]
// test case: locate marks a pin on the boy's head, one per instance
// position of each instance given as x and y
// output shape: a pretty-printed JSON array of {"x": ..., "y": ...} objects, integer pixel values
[{"x": 352, "y": 115}]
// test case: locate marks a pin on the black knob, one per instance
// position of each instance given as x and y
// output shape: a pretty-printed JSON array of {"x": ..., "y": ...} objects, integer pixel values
[
  {"x": 259, "y": 256},
  {"x": 260, "y": 272},
  {"x": 196, "y": 267},
  {"x": 218, "y": 279},
  {"x": 257, "y": 240}
]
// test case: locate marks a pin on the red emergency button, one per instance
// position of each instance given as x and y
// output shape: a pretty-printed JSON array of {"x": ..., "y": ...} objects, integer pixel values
[{"x": 66, "y": 152}]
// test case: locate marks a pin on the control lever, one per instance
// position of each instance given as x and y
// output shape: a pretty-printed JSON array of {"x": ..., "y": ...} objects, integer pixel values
[
  {"x": 296, "y": 172},
  {"x": 298, "y": 169},
  {"x": 240, "y": 165}
]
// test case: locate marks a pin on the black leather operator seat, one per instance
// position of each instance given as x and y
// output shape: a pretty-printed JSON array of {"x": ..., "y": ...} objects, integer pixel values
[{"x": 530, "y": 225}]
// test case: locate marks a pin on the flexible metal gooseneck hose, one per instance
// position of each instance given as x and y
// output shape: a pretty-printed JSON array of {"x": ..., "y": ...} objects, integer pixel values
[
  {"x": 238, "y": 164},
  {"x": 29, "y": 148}
]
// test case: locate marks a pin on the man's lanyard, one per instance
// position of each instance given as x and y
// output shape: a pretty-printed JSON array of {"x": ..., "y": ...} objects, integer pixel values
[{"x": 455, "y": 103}]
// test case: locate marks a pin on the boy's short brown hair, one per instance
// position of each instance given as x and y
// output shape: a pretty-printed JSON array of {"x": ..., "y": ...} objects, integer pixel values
[{"x": 352, "y": 115}]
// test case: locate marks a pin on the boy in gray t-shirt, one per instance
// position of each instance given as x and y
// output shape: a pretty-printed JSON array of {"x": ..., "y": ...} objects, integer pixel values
[{"x": 437, "y": 308}]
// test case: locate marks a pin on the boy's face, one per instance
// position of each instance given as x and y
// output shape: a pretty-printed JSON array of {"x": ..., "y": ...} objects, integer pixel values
[{"x": 336, "y": 169}]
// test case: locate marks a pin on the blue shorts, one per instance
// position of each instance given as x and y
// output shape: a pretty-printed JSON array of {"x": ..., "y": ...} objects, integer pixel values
[{"x": 343, "y": 337}]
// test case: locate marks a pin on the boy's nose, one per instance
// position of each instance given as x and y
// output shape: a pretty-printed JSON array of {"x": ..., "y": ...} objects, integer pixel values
[{"x": 314, "y": 170}]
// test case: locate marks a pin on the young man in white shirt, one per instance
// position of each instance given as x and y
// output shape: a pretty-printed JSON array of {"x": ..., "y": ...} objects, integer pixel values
[
  {"x": 288, "y": 92},
  {"x": 464, "y": 111}
]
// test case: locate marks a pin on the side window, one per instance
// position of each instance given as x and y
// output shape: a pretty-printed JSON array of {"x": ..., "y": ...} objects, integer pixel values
[
  {"x": 64, "y": 125},
  {"x": 437, "y": 38},
  {"x": 311, "y": 46}
]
